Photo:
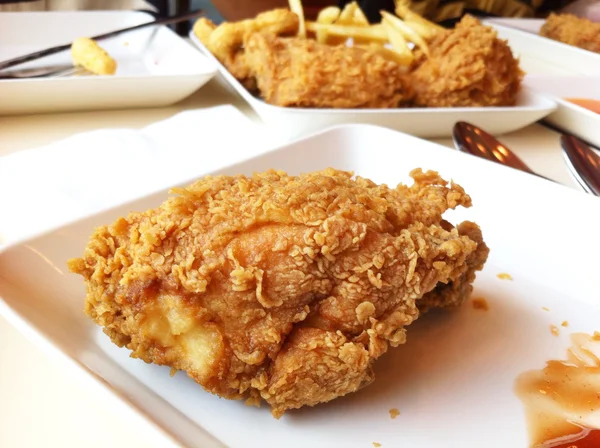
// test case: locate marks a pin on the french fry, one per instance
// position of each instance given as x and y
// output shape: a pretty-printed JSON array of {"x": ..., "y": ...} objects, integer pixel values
[
  {"x": 326, "y": 16},
  {"x": 297, "y": 8},
  {"x": 329, "y": 15},
  {"x": 86, "y": 53},
  {"x": 421, "y": 25},
  {"x": 347, "y": 15},
  {"x": 351, "y": 15},
  {"x": 359, "y": 17},
  {"x": 399, "y": 45},
  {"x": 389, "y": 54},
  {"x": 425, "y": 31},
  {"x": 372, "y": 33},
  {"x": 407, "y": 32}
]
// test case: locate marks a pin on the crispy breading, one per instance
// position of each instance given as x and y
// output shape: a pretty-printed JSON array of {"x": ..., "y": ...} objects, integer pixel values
[
  {"x": 285, "y": 288},
  {"x": 226, "y": 41},
  {"x": 454, "y": 293},
  {"x": 468, "y": 67},
  {"x": 572, "y": 30},
  {"x": 203, "y": 28},
  {"x": 305, "y": 73}
]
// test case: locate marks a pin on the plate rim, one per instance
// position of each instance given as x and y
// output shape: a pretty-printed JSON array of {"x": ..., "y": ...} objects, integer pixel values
[
  {"x": 75, "y": 368},
  {"x": 545, "y": 40}
]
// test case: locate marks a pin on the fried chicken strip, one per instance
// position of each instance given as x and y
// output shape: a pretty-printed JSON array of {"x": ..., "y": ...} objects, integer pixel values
[
  {"x": 285, "y": 288},
  {"x": 468, "y": 67},
  {"x": 572, "y": 30},
  {"x": 305, "y": 73}
]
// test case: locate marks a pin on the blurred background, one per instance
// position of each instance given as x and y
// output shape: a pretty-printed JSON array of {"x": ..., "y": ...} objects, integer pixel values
[{"x": 211, "y": 11}]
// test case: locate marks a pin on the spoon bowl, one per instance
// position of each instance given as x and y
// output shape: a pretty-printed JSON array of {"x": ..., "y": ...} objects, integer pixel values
[
  {"x": 583, "y": 162},
  {"x": 475, "y": 141}
]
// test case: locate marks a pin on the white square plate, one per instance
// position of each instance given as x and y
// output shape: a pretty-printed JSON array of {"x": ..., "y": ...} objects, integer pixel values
[
  {"x": 453, "y": 379},
  {"x": 155, "y": 67},
  {"x": 421, "y": 122},
  {"x": 568, "y": 116},
  {"x": 540, "y": 55}
]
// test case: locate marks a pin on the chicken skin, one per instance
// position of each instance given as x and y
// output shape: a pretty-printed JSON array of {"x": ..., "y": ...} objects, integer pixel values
[
  {"x": 572, "y": 30},
  {"x": 277, "y": 287},
  {"x": 468, "y": 67}
]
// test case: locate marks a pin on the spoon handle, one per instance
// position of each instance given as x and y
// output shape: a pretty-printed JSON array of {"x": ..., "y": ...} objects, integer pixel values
[{"x": 583, "y": 163}]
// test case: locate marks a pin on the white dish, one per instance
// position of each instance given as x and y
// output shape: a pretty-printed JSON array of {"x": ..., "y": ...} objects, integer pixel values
[
  {"x": 540, "y": 55},
  {"x": 452, "y": 381},
  {"x": 155, "y": 67},
  {"x": 568, "y": 116},
  {"x": 421, "y": 122},
  {"x": 75, "y": 188}
]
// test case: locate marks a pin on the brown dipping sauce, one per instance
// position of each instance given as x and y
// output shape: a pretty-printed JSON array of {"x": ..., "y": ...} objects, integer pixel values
[
  {"x": 562, "y": 401},
  {"x": 586, "y": 438},
  {"x": 593, "y": 105}
]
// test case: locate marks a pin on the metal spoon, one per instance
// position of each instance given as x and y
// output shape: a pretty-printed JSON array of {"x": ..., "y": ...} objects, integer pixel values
[
  {"x": 583, "y": 162},
  {"x": 475, "y": 141}
]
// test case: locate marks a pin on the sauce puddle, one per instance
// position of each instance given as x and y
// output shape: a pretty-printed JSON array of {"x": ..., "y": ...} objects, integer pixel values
[
  {"x": 562, "y": 401},
  {"x": 585, "y": 438}
]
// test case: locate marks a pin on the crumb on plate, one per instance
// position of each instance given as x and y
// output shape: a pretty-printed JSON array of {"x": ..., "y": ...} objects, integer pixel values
[
  {"x": 545, "y": 308},
  {"x": 554, "y": 330},
  {"x": 480, "y": 304},
  {"x": 504, "y": 276},
  {"x": 565, "y": 323},
  {"x": 375, "y": 444},
  {"x": 394, "y": 412},
  {"x": 596, "y": 336}
]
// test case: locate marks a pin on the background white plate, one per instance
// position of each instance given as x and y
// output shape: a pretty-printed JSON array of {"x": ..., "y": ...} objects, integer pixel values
[
  {"x": 421, "y": 122},
  {"x": 452, "y": 381},
  {"x": 155, "y": 67},
  {"x": 568, "y": 116},
  {"x": 543, "y": 56}
]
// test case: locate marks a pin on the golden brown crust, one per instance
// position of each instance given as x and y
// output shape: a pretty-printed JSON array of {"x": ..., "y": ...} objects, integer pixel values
[
  {"x": 226, "y": 41},
  {"x": 305, "y": 73},
  {"x": 468, "y": 67},
  {"x": 454, "y": 293},
  {"x": 572, "y": 30},
  {"x": 253, "y": 285}
]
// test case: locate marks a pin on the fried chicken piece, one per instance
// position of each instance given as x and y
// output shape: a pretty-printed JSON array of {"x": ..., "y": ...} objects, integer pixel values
[
  {"x": 572, "y": 30},
  {"x": 203, "y": 28},
  {"x": 454, "y": 293},
  {"x": 305, "y": 73},
  {"x": 226, "y": 41},
  {"x": 468, "y": 67},
  {"x": 274, "y": 286}
]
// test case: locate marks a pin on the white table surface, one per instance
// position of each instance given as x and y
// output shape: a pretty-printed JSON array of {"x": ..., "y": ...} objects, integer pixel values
[{"x": 41, "y": 404}]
